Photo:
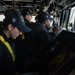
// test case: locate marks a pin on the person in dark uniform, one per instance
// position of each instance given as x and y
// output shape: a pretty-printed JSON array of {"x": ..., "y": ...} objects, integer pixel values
[
  {"x": 13, "y": 25},
  {"x": 27, "y": 14},
  {"x": 46, "y": 20}
]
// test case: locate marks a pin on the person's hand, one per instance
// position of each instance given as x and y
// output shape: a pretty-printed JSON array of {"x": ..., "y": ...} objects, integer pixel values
[{"x": 56, "y": 28}]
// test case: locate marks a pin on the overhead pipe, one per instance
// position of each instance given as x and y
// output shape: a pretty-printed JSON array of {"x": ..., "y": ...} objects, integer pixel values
[{"x": 67, "y": 7}]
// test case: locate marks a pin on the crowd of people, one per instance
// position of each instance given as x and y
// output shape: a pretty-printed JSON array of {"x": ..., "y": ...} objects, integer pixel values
[{"x": 23, "y": 43}]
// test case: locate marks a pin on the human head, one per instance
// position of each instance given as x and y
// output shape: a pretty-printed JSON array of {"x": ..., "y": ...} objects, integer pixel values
[
  {"x": 14, "y": 20},
  {"x": 45, "y": 19},
  {"x": 27, "y": 14}
]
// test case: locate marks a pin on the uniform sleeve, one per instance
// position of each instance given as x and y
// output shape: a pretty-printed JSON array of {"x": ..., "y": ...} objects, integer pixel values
[
  {"x": 43, "y": 37},
  {"x": 43, "y": 40}
]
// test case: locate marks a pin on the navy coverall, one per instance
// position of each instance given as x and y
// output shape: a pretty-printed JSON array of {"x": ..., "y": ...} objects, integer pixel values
[{"x": 6, "y": 61}]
